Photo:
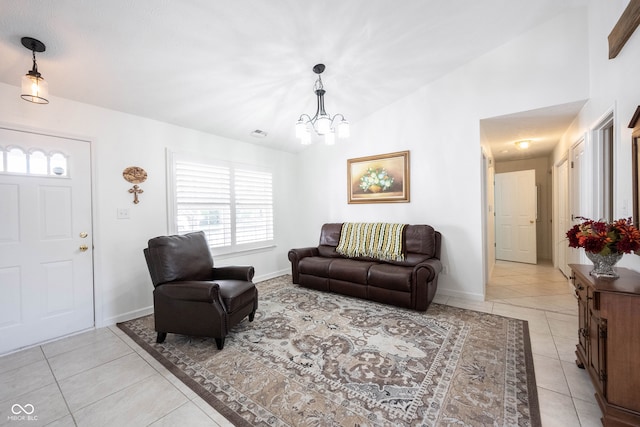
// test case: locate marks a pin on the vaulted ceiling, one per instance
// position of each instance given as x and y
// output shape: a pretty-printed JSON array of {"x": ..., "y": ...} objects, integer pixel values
[{"x": 230, "y": 67}]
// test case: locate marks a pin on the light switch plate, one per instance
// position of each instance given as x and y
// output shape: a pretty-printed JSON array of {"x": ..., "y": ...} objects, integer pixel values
[{"x": 123, "y": 213}]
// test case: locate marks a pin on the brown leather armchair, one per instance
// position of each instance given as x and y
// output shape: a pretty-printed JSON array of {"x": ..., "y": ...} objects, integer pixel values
[{"x": 191, "y": 296}]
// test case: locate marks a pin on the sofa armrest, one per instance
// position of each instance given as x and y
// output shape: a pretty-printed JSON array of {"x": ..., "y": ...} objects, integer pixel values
[
  {"x": 425, "y": 282},
  {"x": 300, "y": 253},
  {"x": 427, "y": 270},
  {"x": 233, "y": 272},
  {"x": 295, "y": 255},
  {"x": 189, "y": 291}
]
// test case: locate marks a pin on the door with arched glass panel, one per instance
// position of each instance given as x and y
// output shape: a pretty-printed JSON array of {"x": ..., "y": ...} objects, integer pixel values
[{"x": 46, "y": 267}]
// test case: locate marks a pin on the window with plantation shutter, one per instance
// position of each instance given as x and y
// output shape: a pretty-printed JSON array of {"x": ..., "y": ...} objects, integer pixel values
[
  {"x": 253, "y": 206},
  {"x": 232, "y": 204}
]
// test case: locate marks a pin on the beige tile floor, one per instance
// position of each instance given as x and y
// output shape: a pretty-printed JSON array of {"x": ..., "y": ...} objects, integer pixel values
[{"x": 102, "y": 378}]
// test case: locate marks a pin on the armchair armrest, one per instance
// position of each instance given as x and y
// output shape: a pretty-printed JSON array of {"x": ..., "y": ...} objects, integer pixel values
[
  {"x": 189, "y": 291},
  {"x": 234, "y": 272}
]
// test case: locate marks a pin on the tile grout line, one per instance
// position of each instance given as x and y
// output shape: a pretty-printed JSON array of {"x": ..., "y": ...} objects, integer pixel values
[
  {"x": 64, "y": 399},
  {"x": 163, "y": 374}
]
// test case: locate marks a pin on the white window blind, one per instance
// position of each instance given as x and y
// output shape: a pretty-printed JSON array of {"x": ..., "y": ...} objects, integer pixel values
[
  {"x": 232, "y": 204},
  {"x": 253, "y": 206}
]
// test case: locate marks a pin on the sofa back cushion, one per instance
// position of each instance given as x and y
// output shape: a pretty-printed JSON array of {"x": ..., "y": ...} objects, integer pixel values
[
  {"x": 329, "y": 239},
  {"x": 420, "y": 239},
  {"x": 420, "y": 243}
]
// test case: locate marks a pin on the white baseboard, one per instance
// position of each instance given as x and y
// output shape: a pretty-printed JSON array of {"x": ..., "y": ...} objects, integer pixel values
[
  {"x": 272, "y": 275},
  {"x": 124, "y": 317},
  {"x": 471, "y": 296}
]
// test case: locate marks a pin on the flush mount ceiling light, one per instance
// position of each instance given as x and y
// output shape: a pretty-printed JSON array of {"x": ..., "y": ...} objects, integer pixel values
[
  {"x": 322, "y": 123},
  {"x": 523, "y": 145},
  {"x": 34, "y": 88}
]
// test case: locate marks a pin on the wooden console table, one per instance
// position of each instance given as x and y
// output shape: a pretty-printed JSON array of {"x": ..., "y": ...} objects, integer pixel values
[{"x": 609, "y": 341}]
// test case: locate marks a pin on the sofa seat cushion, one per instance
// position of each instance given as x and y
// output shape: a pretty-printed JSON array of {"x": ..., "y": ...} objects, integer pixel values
[
  {"x": 350, "y": 270},
  {"x": 315, "y": 266},
  {"x": 392, "y": 277}
]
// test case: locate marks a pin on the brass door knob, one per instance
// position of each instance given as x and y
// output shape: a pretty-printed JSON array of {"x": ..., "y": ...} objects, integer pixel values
[{"x": 83, "y": 248}]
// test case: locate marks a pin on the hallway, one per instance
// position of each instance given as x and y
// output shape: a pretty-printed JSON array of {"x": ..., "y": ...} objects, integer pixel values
[{"x": 539, "y": 286}]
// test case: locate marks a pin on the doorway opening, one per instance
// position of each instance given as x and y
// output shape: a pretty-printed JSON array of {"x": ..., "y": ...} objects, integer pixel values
[{"x": 543, "y": 129}]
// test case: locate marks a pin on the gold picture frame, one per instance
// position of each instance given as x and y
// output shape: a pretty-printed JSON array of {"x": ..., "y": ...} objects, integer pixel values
[{"x": 383, "y": 178}]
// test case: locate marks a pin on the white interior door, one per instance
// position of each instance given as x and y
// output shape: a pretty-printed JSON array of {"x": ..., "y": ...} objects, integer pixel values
[
  {"x": 516, "y": 204},
  {"x": 564, "y": 216},
  {"x": 577, "y": 198},
  {"x": 46, "y": 266}
]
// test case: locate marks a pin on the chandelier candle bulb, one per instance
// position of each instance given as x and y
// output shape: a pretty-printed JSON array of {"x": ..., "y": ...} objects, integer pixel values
[
  {"x": 323, "y": 125},
  {"x": 343, "y": 129},
  {"x": 301, "y": 129}
]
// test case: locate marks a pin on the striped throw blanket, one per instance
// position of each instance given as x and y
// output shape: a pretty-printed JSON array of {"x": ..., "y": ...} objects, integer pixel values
[{"x": 375, "y": 240}]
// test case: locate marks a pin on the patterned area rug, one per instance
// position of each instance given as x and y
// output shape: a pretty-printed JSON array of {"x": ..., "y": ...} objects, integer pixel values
[{"x": 318, "y": 359}]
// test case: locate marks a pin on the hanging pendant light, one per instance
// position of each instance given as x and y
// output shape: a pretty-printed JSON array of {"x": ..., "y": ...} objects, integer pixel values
[
  {"x": 321, "y": 123},
  {"x": 34, "y": 88}
]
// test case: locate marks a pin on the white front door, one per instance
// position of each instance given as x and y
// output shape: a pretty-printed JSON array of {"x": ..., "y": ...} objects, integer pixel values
[
  {"x": 46, "y": 266},
  {"x": 516, "y": 204}
]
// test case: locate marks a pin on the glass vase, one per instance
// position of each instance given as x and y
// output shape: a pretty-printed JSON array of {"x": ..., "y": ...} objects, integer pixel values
[{"x": 603, "y": 264}]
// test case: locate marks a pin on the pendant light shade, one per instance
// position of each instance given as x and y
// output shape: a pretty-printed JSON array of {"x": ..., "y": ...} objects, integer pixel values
[{"x": 34, "y": 88}]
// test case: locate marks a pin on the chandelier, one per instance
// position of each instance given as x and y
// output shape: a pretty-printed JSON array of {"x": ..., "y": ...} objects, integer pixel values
[{"x": 322, "y": 123}]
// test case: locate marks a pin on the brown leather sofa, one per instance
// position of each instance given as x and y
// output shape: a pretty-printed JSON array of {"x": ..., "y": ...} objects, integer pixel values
[
  {"x": 410, "y": 283},
  {"x": 191, "y": 296}
]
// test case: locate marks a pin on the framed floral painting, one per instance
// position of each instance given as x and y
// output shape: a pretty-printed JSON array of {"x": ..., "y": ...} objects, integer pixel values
[{"x": 383, "y": 178}]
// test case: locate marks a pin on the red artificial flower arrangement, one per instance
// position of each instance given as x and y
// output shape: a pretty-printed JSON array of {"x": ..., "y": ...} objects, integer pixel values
[{"x": 604, "y": 238}]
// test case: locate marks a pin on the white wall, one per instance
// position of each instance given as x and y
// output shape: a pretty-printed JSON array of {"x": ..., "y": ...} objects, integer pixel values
[
  {"x": 122, "y": 284},
  {"x": 614, "y": 85},
  {"x": 439, "y": 124}
]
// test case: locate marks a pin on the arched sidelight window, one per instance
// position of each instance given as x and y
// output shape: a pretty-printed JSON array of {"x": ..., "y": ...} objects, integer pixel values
[
  {"x": 59, "y": 165},
  {"x": 38, "y": 163},
  {"x": 16, "y": 160}
]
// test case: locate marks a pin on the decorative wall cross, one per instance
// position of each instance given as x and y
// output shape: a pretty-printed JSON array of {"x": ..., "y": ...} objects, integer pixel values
[
  {"x": 135, "y": 175},
  {"x": 136, "y": 190}
]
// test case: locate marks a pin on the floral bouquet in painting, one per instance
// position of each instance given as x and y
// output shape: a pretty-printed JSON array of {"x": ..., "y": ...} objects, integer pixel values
[
  {"x": 376, "y": 180},
  {"x": 605, "y": 238}
]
